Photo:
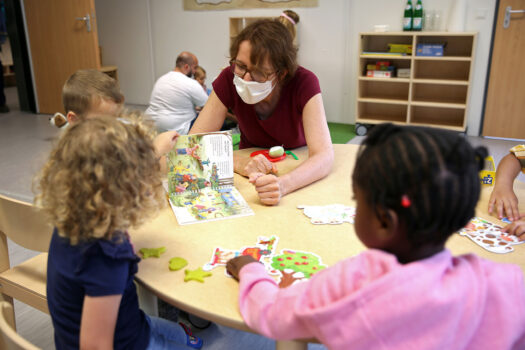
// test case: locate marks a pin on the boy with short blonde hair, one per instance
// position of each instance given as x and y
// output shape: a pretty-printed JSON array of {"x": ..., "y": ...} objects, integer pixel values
[{"x": 89, "y": 91}]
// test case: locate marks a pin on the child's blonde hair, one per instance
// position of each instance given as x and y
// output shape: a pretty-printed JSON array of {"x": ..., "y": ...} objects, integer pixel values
[
  {"x": 200, "y": 73},
  {"x": 289, "y": 19},
  {"x": 86, "y": 87},
  {"x": 102, "y": 177}
]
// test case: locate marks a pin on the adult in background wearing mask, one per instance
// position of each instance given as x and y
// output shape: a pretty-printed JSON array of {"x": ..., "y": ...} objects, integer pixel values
[
  {"x": 276, "y": 103},
  {"x": 175, "y": 96}
]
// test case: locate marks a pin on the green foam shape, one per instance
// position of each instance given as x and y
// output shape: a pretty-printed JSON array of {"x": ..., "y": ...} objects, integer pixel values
[
  {"x": 177, "y": 263},
  {"x": 152, "y": 252},
  {"x": 196, "y": 275}
]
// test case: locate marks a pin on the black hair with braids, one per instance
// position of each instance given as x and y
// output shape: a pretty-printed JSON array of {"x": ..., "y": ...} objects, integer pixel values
[{"x": 437, "y": 170}]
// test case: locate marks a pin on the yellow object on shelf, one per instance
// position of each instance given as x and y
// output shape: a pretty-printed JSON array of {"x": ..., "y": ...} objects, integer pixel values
[
  {"x": 488, "y": 174},
  {"x": 400, "y": 48}
]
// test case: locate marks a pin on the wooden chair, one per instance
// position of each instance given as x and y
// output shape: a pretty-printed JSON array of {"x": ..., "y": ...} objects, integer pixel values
[
  {"x": 9, "y": 338},
  {"x": 27, "y": 281}
]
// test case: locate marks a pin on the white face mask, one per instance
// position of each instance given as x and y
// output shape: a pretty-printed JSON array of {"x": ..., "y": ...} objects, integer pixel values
[{"x": 252, "y": 92}]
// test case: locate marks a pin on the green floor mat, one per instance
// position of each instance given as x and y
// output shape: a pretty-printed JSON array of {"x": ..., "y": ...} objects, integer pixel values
[{"x": 341, "y": 133}]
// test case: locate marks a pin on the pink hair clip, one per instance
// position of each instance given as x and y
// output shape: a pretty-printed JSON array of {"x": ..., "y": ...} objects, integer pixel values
[
  {"x": 405, "y": 201},
  {"x": 288, "y": 18}
]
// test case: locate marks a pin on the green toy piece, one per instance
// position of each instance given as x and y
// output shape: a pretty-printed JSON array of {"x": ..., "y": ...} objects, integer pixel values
[
  {"x": 177, "y": 263},
  {"x": 196, "y": 275},
  {"x": 292, "y": 154},
  {"x": 152, "y": 252}
]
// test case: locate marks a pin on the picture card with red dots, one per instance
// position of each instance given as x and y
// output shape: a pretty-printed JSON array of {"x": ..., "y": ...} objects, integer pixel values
[
  {"x": 292, "y": 266},
  {"x": 489, "y": 236},
  {"x": 287, "y": 267}
]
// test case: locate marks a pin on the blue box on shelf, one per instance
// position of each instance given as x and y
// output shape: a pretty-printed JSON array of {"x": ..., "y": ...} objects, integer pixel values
[{"x": 430, "y": 49}]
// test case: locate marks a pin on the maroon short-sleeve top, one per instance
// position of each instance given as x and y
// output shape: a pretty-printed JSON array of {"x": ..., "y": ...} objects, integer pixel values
[{"x": 285, "y": 124}]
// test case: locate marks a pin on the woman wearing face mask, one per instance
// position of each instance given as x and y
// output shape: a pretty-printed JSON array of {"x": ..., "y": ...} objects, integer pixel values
[{"x": 276, "y": 103}]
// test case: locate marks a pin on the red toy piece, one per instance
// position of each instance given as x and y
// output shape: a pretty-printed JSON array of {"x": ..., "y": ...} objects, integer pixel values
[{"x": 265, "y": 153}]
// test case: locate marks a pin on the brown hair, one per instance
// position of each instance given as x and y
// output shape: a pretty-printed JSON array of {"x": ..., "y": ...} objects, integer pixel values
[
  {"x": 269, "y": 39},
  {"x": 199, "y": 72},
  {"x": 287, "y": 23},
  {"x": 102, "y": 177},
  {"x": 86, "y": 87}
]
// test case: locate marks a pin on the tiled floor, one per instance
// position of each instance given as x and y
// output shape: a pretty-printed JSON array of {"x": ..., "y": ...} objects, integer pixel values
[{"x": 23, "y": 134}]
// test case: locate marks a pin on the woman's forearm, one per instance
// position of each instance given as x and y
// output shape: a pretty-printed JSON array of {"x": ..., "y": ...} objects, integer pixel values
[{"x": 314, "y": 168}]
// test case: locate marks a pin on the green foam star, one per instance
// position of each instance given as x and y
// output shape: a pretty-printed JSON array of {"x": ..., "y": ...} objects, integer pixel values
[
  {"x": 177, "y": 263},
  {"x": 196, "y": 275},
  {"x": 152, "y": 252}
]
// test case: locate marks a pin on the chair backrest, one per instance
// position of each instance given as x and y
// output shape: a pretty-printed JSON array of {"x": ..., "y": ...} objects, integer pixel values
[
  {"x": 24, "y": 225},
  {"x": 9, "y": 338}
]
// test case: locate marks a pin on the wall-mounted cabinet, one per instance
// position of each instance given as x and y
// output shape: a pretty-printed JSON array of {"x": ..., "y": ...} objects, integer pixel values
[{"x": 435, "y": 91}]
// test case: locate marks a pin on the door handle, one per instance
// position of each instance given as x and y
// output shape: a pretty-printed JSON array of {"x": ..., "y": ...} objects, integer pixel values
[
  {"x": 508, "y": 12},
  {"x": 86, "y": 19}
]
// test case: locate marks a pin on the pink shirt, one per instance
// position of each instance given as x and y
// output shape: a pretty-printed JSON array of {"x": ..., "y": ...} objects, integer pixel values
[
  {"x": 285, "y": 125},
  {"x": 371, "y": 301}
]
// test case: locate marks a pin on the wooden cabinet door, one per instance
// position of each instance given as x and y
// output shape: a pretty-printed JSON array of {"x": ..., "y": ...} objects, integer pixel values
[
  {"x": 505, "y": 105},
  {"x": 60, "y": 44}
]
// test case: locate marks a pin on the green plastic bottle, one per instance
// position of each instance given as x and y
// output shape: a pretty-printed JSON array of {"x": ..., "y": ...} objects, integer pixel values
[
  {"x": 407, "y": 17},
  {"x": 417, "y": 22}
]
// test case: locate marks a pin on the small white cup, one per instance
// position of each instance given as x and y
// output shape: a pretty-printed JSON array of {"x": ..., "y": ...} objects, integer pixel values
[{"x": 381, "y": 28}]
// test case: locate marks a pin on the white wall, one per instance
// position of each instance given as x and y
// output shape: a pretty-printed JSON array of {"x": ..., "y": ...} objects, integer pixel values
[
  {"x": 143, "y": 38},
  {"x": 124, "y": 36}
]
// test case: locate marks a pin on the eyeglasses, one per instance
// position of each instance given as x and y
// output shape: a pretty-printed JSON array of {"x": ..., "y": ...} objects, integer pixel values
[{"x": 257, "y": 75}]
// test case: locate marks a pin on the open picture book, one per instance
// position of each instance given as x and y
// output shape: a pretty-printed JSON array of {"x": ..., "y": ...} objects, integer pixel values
[{"x": 200, "y": 179}]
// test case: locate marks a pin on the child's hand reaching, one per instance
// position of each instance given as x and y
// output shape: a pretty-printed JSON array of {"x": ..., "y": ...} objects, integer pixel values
[
  {"x": 517, "y": 228},
  {"x": 234, "y": 266},
  {"x": 164, "y": 142},
  {"x": 504, "y": 202}
]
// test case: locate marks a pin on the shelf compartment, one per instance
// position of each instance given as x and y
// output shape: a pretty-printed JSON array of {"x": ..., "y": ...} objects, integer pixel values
[
  {"x": 439, "y": 93},
  {"x": 442, "y": 70},
  {"x": 394, "y": 90},
  {"x": 451, "y": 118},
  {"x": 395, "y": 61},
  {"x": 379, "y": 43},
  {"x": 381, "y": 112},
  {"x": 456, "y": 45}
]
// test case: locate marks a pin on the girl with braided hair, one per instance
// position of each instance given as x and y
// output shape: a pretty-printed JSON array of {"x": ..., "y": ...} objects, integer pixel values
[{"x": 414, "y": 187}]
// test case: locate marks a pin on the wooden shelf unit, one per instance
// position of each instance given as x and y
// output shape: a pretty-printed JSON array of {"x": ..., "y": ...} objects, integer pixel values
[{"x": 437, "y": 92}]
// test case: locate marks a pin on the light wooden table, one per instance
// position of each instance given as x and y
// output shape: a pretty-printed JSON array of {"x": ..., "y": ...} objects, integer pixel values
[{"x": 217, "y": 298}]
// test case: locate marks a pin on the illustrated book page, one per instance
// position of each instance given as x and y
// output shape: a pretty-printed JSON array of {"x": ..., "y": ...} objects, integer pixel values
[{"x": 200, "y": 179}]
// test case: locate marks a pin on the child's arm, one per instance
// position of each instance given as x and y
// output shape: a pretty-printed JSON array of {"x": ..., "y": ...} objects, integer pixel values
[
  {"x": 263, "y": 305},
  {"x": 164, "y": 143},
  {"x": 503, "y": 199},
  {"x": 99, "y": 318}
]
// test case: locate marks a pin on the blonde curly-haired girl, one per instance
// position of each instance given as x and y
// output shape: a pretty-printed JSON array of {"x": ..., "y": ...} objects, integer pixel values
[{"x": 102, "y": 177}]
